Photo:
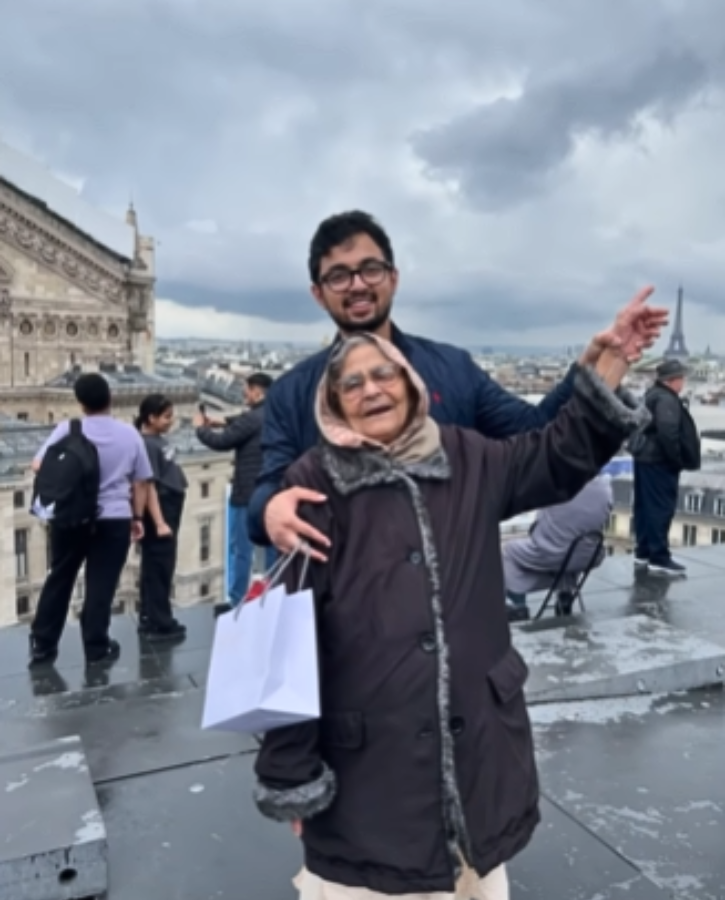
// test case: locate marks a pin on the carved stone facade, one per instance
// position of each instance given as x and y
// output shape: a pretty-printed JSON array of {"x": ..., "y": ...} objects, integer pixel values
[{"x": 66, "y": 300}]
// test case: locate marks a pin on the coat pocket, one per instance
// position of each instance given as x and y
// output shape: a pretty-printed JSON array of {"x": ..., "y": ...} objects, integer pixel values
[
  {"x": 512, "y": 737},
  {"x": 343, "y": 731},
  {"x": 508, "y": 676}
]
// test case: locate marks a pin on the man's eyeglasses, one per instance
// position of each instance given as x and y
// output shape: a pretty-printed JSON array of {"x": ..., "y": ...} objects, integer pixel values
[
  {"x": 372, "y": 272},
  {"x": 382, "y": 376}
]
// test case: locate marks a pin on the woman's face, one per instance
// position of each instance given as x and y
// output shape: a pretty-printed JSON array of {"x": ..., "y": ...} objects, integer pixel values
[
  {"x": 163, "y": 422},
  {"x": 373, "y": 393}
]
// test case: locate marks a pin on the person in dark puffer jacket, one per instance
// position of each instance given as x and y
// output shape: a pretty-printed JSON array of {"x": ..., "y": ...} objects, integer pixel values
[
  {"x": 242, "y": 434},
  {"x": 670, "y": 445}
]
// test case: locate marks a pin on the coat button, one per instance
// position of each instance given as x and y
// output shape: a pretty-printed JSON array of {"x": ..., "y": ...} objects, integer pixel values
[
  {"x": 458, "y": 726},
  {"x": 428, "y": 642},
  {"x": 415, "y": 557}
]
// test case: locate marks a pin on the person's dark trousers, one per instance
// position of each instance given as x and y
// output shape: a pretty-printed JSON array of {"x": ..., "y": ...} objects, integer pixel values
[
  {"x": 241, "y": 555},
  {"x": 103, "y": 547},
  {"x": 655, "y": 504},
  {"x": 158, "y": 565}
]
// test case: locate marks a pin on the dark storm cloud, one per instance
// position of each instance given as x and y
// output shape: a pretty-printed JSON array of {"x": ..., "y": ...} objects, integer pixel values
[
  {"x": 258, "y": 119},
  {"x": 285, "y": 305},
  {"x": 503, "y": 152}
]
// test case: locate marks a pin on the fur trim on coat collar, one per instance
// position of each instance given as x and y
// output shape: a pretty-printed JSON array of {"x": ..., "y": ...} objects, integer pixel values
[{"x": 352, "y": 470}]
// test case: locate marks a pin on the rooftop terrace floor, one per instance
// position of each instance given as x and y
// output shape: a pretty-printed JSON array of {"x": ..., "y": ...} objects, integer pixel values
[{"x": 634, "y": 788}]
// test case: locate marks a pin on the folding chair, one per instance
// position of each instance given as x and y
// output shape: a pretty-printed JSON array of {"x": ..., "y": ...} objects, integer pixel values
[{"x": 598, "y": 538}]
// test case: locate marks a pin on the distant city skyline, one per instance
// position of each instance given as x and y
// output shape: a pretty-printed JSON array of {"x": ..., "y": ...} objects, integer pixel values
[{"x": 175, "y": 321}]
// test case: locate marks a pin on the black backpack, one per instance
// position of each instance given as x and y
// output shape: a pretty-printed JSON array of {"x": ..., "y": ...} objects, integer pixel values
[{"x": 69, "y": 480}]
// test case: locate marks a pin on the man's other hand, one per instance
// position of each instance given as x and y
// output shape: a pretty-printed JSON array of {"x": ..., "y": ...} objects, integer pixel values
[{"x": 285, "y": 528}]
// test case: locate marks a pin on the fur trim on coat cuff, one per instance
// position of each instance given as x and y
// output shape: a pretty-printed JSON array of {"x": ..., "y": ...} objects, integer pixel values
[
  {"x": 301, "y": 802},
  {"x": 620, "y": 407}
]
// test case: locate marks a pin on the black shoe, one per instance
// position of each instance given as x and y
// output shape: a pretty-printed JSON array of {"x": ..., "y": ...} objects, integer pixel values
[
  {"x": 221, "y": 609},
  {"x": 156, "y": 635},
  {"x": 41, "y": 656},
  {"x": 669, "y": 567},
  {"x": 109, "y": 655},
  {"x": 517, "y": 612},
  {"x": 564, "y": 604}
]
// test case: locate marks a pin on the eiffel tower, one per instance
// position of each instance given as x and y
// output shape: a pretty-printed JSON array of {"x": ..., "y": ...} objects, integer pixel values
[{"x": 677, "y": 348}]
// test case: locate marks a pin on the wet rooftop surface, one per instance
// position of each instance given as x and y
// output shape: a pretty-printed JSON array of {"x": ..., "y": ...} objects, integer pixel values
[{"x": 634, "y": 788}]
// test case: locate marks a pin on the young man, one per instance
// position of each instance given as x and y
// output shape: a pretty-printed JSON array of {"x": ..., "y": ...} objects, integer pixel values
[
  {"x": 103, "y": 543},
  {"x": 241, "y": 434},
  {"x": 668, "y": 446},
  {"x": 354, "y": 279}
]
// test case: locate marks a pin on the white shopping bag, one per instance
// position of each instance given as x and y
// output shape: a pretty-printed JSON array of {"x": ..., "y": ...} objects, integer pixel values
[{"x": 264, "y": 669}]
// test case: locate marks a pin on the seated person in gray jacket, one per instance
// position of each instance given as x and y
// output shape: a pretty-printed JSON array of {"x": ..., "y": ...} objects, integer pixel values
[{"x": 531, "y": 563}]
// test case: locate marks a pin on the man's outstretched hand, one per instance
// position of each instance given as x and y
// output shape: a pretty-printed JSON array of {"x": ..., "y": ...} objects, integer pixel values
[
  {"x": 286, "y": 529},
  {"x": 636, "y": 327}
]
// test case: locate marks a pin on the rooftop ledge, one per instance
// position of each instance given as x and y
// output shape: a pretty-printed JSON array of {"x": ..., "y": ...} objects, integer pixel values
[{"x": 624, "y": 701}]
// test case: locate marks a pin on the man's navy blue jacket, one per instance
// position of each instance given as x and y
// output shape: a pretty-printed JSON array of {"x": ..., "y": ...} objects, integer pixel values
[{"x": 461, "y": 393}]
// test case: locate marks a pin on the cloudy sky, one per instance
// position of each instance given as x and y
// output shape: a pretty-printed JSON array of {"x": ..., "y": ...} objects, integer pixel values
[{"x": 535, "y": 161}]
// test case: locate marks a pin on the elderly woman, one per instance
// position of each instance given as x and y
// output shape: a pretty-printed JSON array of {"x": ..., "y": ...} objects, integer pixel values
[{"x": 419, "y": 779}]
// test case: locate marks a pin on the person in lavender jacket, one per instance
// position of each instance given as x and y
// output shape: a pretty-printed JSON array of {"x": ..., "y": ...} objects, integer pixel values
[{"x": 103, "y": 544}]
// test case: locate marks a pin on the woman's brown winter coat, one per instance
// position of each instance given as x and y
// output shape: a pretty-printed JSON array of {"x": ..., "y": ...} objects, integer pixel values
[{"x": 424, "y": 749}]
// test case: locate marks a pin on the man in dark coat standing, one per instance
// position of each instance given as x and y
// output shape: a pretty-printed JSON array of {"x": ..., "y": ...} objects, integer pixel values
[
  {"x": 241, "y": 434},
  {"x": 354, "y": 279},
  {"x": 668, "y": 446}
]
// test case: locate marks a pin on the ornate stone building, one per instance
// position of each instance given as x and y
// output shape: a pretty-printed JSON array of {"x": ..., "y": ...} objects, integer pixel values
[
  {"x": 77, "y": 294},
  {"x": 76, "y": 286}
]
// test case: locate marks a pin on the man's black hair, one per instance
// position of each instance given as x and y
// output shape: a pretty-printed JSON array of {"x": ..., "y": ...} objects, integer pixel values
[
  {"x": 93, "y": 392},
  {"x": 338, "y": 230},
  {"x": 260, "y": 380}
]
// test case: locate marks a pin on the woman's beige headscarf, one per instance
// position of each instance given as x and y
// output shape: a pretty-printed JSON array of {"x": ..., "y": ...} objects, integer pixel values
[{"x": 420, "y": 438}]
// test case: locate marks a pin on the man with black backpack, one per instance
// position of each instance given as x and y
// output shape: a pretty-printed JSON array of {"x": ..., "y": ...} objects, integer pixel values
[
  {"x": 91, "y": 486},
  {"x": 669, "y": 445}
]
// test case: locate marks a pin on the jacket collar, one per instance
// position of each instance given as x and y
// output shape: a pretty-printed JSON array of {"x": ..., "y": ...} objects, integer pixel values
[{"x": 352, "y": 470}]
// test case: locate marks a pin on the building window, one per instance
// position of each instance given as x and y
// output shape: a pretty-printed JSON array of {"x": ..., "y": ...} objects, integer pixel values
[
  {"x": 204, "y": 589},
  {"x": 693, "y": 503},
  {"x": 22, "y": 417},
  {"x": 205, "y": 542},
  {"x": 719, "y": 507},
  {"x": 51, "y": 418},
  {"x": 21, "y": 553},
  {"x": 19, "y": 499},
  {"x": 22, "y": 606},
  {"x": 718, "y": 535},
  {"x": 631, "y": 526},
  {"x": 204, "y": 489},
  {"x": 612, "y": 524},
  {"x": 689, "y": 535},
  {"x": 26, "y": 364}
]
